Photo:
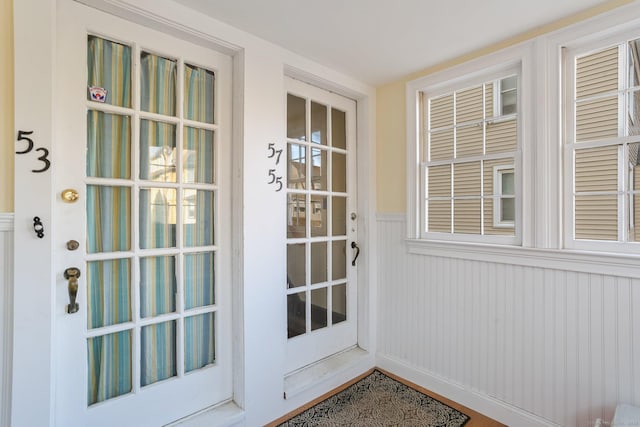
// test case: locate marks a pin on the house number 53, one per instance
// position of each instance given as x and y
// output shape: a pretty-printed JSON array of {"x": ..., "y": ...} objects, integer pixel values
[{"x": 24, "y": 137}]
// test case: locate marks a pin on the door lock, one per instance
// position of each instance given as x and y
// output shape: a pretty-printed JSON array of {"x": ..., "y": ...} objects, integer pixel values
[{"x": 72, "y": 274}]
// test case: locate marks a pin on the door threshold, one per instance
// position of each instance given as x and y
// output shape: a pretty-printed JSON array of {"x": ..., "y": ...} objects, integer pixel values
[
  {"x": 304, "y": 378},
  {"x": 222, "y": 415}
]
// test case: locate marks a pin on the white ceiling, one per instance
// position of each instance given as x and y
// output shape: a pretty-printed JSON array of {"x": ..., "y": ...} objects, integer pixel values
[{"x": 378, "y": 41}]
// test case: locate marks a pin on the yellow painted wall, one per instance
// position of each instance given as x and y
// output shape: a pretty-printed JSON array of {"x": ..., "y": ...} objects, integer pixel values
[
  {"x": 6, "y": 106},
  {"x": 391, "y": 113}
]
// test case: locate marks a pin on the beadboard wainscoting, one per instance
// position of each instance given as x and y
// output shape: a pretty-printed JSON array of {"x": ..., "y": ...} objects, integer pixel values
[
  {"x": 6, "y": 315},
  {"x": 525, "y": 344}
]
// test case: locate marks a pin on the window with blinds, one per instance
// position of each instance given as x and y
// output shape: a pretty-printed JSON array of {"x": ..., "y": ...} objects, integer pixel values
[
  {"x": 469, "y": 161},
  {"x": 602, "y": 143}
]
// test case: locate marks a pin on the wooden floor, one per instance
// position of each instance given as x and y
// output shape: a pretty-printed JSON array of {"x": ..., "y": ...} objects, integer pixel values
[{"x": 477, "y": 419}]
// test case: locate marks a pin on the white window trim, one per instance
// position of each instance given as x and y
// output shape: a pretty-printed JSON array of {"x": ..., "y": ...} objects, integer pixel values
[
  {"x": 497, "y": 201},
  {"x": 517, "y": 59}
]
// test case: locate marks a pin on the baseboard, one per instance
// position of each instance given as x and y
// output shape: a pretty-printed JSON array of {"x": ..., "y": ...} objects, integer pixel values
[{"x": 493, "y": 408}]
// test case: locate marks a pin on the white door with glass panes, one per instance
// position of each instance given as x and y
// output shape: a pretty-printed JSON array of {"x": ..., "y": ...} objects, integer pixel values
[
  {"x": 321, "y": 288},
  {"x": 143, "y": 139}
]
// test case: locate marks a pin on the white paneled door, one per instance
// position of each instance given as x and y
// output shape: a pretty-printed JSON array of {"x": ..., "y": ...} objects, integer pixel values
[
  {"x": 142, "y": 308},
  {"x": 322, "y": 230}
]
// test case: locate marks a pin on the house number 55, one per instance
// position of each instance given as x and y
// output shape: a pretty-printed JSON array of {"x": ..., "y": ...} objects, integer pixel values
[{"x": 23, "y": 135}]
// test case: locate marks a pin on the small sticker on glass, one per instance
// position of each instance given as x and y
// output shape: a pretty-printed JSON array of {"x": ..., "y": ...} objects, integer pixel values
[{"x": 98, "y": 94}]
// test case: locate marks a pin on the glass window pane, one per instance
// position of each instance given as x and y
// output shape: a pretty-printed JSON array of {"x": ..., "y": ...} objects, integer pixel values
[
  {"x": 339, "y": 216},
  {"x": 508, "y": 210},
  {"x": 439, "y": 181},
  {"x": 469, "y": 105},
  {"x": 466, "y": 179},
  {"x": 339, "y": 172},
  {"x": 469, "y": 141},
  {"x": 466, "y": 216},
  {"x": 339, "y": 259},
  {"x": 198, "y": 214},
  {"x": 157, "y": 84},
  {"x": 339, "y": 303},
  {"x": 319, "y": 169},
  {"x": 596, "y": 217},
  {"x": 318, "y": 262},
  {"x": 157, "y": 352},
  {"x": 597, "y": 119},
  {"x": 633, "y": 119},
  {"x": 109, "y": 72},
  {"x": 296, "y": 265},
  {"x": 441, "y": 145},
  {"x": 108, "y": 219},
  {"x": 157, "y": 218},
  {"x": 297, "y": 167},
  {"x": 439, "y": 216},
  {"x": 296, "y": 314},
  {"x": 318, "y": 216},
  {"x": 296, "y": 215},
  {"x": 634, "y": 63},
  {"x": 509, "y": 83},
  {"x": 296, "y": 118},
  {"x": 318, "y": 123},
  {"x": 318, "y": 308},
  {"x": 596, "y": 169},
  {"x": 199, "y": 280},
  {"x": 509, "y": 102},
  {"x": 199, "y": 94},
  {"x": 108, "y": 145},
  {"x": 157, "y": 151},
  {"x": 108, "y": 292},
  {"x": 502, "y": 136},
  {"x": 109, "y": 363},
  {"x": 198, "y": 156},
  {"x": 441, "y": 112},
  {"x": 508, "y": 183},
  {"x": 199, "y": 341},
  {"x": 157, "y": 285},
  {"x": 338, "y": 129},
  {"x": 634, "y": 225},
  {"x": 597, "y": 73}
]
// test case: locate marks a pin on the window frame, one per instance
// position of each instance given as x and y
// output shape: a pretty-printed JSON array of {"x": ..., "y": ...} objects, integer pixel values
[
  {"x": 617, "y": 37},
  {"x": 496, "y": 66},
  {"x": 499, "y": 196}
]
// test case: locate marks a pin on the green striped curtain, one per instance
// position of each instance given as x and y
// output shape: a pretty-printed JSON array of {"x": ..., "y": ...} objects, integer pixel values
[
  {"x": 199, "y": 341},
  {"x": 157, "y": 84},
  {"x": 109, "y": 366},
  {"x": 199, "y": 85},
  {"x": 109, "y": 66}
]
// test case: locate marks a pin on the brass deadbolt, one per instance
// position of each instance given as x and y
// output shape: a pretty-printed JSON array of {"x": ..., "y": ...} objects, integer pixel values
[{"x": 70, "y": 195}]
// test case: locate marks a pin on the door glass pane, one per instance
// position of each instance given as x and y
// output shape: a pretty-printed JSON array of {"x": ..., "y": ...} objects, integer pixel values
[
  {"x": 296, "y": 118},
  {"x": 318, "y": 169},
  {"x": 318, "y": 216},
  {"x": 296, "y": 215},
  {"x": 157, "y": 285},
  {"x": 198, "y": 156},
  {"x": 318, "y": 262},
  {"x": 297, "y": 166},
  {"x": 199, "y": 341},
  {"x": 199, "y": 280},
  {"x": 199, "y": 94},
  {"x": 109, "y": 360},
  {"x": 338, "y": 129},
  {"x": 108, "y": 292},
  {"x": 198, "y": 218},
  {"x": 318, "y": 124},
  {"x": 339, "y": 216},
  {"x": 109, "y": 72},
  {"x": 318, "y": 308},
  {"x": 339, "y": 259},
  {"x": 108, "y": 145},
  {"x": 157, "y": 352},
  {"x": 157, "y": 218},
  {"x": 339, "y": 172},
  {"x": 296, "y": 314},
  {"x": 108, "y": 219},
  {"x": 296, "y": 265},
  {"x": 157, "y": 151},
  {"x": 157, "y": 84},
  {"x": 339, "y": 303}
]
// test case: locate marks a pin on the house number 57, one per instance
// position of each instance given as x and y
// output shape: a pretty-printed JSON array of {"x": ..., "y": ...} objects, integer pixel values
[{"x": 24, "y": 137}]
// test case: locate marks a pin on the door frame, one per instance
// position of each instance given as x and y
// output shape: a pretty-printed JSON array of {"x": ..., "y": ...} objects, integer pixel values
[{"x": 33, "y": 397}]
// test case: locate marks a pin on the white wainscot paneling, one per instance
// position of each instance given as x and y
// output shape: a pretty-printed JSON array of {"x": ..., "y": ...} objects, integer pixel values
[
  {"x": 6, "y": 315},
  {"x": 560, "y": 345}
]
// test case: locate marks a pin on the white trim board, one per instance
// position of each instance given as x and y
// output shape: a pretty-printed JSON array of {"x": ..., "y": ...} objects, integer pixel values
[
  {"x": 6, "y": 315},
  {"x": 486, "y": 405},
  {"x": 6, "y": 221}
]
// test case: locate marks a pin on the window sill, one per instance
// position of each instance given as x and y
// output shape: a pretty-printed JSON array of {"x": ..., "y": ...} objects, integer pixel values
[{"x": 624, "y": 265}]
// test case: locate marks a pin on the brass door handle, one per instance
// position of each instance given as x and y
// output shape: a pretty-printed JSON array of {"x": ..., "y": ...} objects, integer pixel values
[{"x": 72, "y": 274}]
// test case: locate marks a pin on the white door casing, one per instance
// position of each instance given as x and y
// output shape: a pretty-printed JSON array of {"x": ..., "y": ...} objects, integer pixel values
[
  {"x": 185, "y": 393},
  {"x": 320, "y": 231}
]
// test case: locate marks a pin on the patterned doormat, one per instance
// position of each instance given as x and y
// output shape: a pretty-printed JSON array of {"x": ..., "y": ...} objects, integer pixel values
[{"x": 377, "y": 401}]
